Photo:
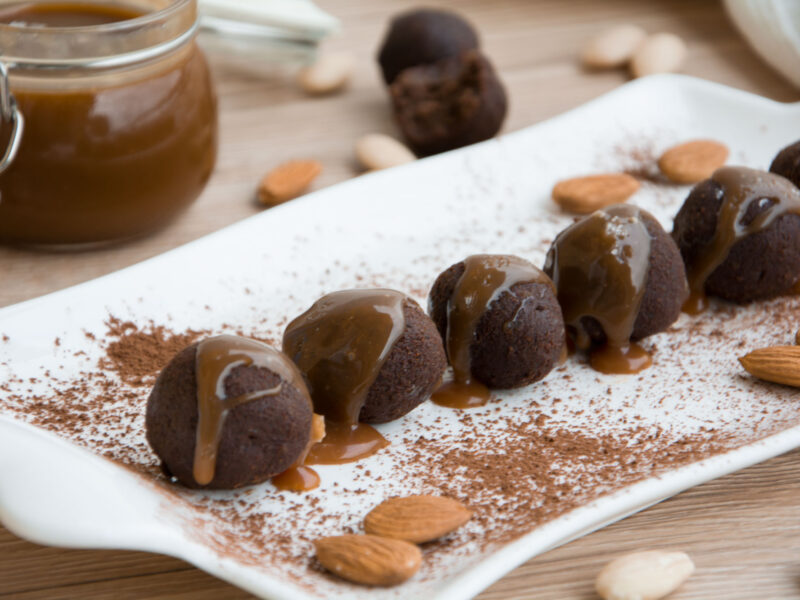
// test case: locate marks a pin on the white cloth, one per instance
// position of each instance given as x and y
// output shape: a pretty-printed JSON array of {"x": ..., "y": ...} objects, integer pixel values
[
  {"x": 772, "y": 27},
  {"x": 300, "y": 17}
]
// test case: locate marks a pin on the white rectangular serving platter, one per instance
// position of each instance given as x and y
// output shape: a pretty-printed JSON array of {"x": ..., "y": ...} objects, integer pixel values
[{"x": 398, "y": 229}]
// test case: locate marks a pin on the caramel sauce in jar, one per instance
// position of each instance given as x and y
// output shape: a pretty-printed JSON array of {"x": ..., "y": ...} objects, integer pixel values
[
  {"x": 65, "y": 14},
  {"x": 107, "y": 153}
]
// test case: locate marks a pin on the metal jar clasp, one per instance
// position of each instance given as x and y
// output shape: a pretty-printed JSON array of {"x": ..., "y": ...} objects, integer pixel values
[{"x": 9, "y": 113}]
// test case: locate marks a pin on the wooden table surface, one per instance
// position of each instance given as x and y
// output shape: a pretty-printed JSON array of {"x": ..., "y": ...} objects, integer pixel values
[{"x": 743, "y": 531}]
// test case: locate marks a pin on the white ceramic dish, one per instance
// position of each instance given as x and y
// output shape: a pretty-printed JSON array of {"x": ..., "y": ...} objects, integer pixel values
[{"x": 399, "y": 229}]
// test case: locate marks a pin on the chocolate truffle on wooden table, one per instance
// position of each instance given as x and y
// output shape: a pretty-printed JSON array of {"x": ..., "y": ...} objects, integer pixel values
[
  {"x": 423, "y": 36},
  {"x": 739, "y": 235},
  {"x": 619, "y": 278},
  {"x": 368, "y": 356},
  {"x": 501, "y": 325},
  {"x": 787, "y": 163},
  {"x": 449, "y": 104},
  {"x": 228, "y": 412}
]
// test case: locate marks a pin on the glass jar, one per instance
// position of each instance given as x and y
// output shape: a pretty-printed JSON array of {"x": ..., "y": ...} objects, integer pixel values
[{"x": 116, "y": 123}]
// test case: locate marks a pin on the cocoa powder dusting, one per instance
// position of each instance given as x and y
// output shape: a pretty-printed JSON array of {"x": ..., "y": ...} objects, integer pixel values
[
  {"x": 528, "y": 457},
  {"x": 137, "y": 355},
  {"x": 640, "y": 160},
  {"x": 527, "y": 484},
  {"x": 525, "y": 459}
]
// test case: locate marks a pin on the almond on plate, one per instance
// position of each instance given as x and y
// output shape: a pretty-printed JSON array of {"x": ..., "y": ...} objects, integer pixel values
[
  {"x": 369, "y": 559},
  {"x": 693, "y": 161},
  {"x": 584, "y": 195},
  {"x": 778, "y": 364},
  {"x": 416, "y": 519}
]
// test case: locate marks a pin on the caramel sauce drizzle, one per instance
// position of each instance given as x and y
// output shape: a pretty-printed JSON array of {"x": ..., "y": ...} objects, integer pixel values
[
  {"x": 330, "y": 444},
  {"x": 344, "y": 443},
  {"x": 456, "y": 394},
  {"x": 599, "y": 266},
  {"x": 340, "y": 345},
  {"x": 486, "y": 277},
  {"x": 215, "y": 358},
  {"x": 630, "y": 358},
  {"x": 299, "y": 477},
  {"x": 740, "y": 188}
]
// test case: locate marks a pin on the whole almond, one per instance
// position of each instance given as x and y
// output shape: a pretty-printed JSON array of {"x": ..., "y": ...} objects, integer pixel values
[
  {"x": 416, "y": 519},
  {"x": 693, "y": 161},
  {"x": 647, "y": 575},
  {"x": 659, "y": 53},
  {"x": 329, "y": 74},
  {"x": 778, "y": 364},
  {"x": 797, "y": 337},
  {"x": 583, "y": 195},
  {"x": 287, "y": 181},
  {"x": 377, "y": 151},
  {"x": 613, "y": 47},
  {"x": 369, "y": 559}
]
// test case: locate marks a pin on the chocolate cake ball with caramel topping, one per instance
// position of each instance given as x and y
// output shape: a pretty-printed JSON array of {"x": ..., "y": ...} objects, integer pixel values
[
  {"x": 787, "y": 163},
  {"x": 500, "y": 320},
  {"x": 619, "y": 278},
  {"x": 367, "y": 355},
  {"x": 739, "y": 235},
  {"x": 423, "y": 36},
  {"x": 228, "y": 412}
]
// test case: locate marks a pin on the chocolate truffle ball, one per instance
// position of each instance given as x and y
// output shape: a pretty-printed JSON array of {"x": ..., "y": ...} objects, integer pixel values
[
  {"x": 366, "y": 355},
  {"x": 411, "y": 372},
  {"x": 519, "y": 335},
  {"x": 260, "y": 437},
  {"x": 763, "y": 260},
  {"x": 663, "y": 275},
  {"x": 787, "y": 163},
  {"x": 423, "y": 36},
  {"x": 448, "y": 104}
]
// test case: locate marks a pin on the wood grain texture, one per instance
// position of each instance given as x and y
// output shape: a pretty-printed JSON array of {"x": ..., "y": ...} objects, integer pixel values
[{"x": 743, "y": 531}]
